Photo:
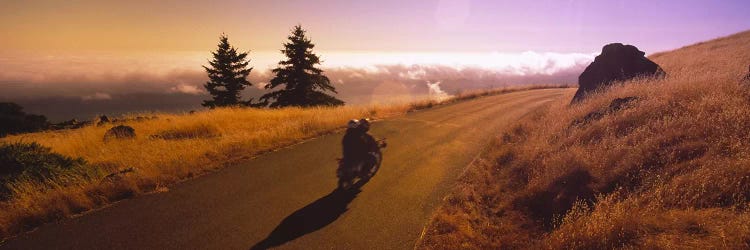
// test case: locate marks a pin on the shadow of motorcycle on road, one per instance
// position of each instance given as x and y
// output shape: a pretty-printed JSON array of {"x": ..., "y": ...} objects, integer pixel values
[
  {"x": 310, "y": 218},
  {"x": 326, "y": 209}
]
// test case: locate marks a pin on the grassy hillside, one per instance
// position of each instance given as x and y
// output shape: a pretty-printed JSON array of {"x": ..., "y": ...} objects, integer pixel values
[
  {"x": 165, "y": 150},
  {"x": 83, "y": 171},
  {"x": 670, "y": 169}
]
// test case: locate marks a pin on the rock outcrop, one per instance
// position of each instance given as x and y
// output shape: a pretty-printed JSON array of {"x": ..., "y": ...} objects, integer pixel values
[
  {"x": 617, "y": 62},
  {"x": 103, "y": 119}
]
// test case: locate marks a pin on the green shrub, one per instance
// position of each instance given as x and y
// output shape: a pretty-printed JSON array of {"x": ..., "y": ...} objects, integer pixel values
[{"x": 34, "y": 162}]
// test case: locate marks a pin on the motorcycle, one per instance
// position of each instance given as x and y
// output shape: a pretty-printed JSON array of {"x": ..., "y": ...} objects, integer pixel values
[{"x": 363, "y": 171}]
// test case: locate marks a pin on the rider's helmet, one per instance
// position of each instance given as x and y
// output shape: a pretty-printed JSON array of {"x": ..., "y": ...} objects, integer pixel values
[
  {"x": 353, "y": 123},
  {"x": 364, "y": 124}
]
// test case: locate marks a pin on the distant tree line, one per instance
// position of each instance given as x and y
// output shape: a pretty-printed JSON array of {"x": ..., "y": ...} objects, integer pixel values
[
  {"x": 297, "y": 81},
  {"x": 14, "y": 121}
]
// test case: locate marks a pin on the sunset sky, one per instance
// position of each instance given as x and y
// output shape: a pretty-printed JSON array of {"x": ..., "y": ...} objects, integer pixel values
[
  {"x": 458, "y": 25},
  {"x": 94, "y": 49}
]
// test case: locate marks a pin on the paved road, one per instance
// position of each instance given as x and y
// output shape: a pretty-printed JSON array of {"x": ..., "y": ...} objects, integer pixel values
[{"x": 286, "y": 199}]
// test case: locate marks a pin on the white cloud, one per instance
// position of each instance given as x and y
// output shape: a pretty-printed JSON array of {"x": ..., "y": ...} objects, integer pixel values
[
  {"x": 35, "y": 76},
  {"x": 187, "y": 89},
  {"x": 524, "y": 63},
  {"x": 435, "y": 92},
  {"x": 97, "y": 96},
  {"x": 419, "y": 73}
]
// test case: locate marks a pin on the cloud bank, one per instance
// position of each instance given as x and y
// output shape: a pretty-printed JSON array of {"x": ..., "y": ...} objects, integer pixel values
[{"x": 81, "y": 86}]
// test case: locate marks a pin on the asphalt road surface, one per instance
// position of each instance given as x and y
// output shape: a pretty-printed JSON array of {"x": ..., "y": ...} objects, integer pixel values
[{"x": 286, "y": 199}]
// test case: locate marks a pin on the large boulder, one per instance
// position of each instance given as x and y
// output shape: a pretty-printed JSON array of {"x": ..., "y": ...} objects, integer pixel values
[
  {"x": 617, "y": 62},
  {"x": 103, "y": 119}
]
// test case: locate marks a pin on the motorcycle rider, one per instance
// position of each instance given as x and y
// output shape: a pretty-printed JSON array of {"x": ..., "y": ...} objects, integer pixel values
[
  {"x": 350, "y": 142},
  {"x": 368, "y": 141},
  {"x": 357, "y": 144}
]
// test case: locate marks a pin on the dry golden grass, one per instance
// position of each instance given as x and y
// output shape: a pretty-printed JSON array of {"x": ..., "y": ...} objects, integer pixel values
[
  {"x": 165, "y": 150},
  {"x": 169, "y": 149},
  {"x": 672, "y": 170}
]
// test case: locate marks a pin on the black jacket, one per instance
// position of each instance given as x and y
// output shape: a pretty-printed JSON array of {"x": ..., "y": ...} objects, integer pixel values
[{"x": 356, "y": 145}]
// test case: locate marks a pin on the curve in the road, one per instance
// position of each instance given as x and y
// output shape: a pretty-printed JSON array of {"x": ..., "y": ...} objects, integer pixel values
[{"x": 285, "y": 199}]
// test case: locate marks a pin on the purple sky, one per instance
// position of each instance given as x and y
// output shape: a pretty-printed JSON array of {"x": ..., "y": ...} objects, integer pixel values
[{"x": 512, "y": 26}]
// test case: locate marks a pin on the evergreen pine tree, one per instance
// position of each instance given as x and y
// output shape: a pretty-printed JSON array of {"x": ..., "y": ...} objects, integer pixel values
[
  {"x": 304, "y": 84},
  {"x": 227, "y": 76}
]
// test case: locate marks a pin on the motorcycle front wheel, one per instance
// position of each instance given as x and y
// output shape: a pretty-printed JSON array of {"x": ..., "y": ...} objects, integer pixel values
[{"x": 377, "y": 158}]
